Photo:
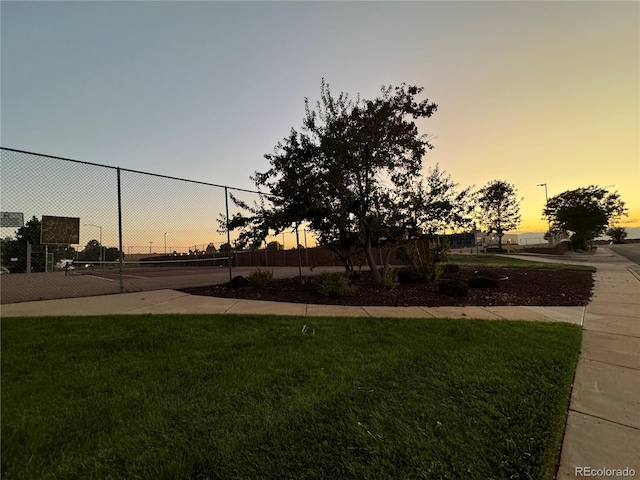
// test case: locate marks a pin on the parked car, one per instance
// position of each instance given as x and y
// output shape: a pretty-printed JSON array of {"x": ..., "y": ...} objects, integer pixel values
[{"x": 62, "y": 264}]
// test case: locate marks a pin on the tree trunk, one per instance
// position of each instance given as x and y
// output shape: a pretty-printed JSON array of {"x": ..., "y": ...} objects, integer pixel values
[
  {"x": 344, "y": 257},
  {"x": 372, "y": 264},
  {"x": 387, "y": 259}
]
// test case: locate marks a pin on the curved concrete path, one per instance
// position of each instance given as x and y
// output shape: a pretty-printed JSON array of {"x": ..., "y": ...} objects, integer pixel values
[
  {"x": 603, "y": 424},
  {"x": 171, "y": 301},
  {"x": 602, "y": 436}
]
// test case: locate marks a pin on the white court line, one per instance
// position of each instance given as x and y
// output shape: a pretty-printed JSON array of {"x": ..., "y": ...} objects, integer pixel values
[
  {"x": 102, "y": 278},
  {"x": 128, "y": 276}
]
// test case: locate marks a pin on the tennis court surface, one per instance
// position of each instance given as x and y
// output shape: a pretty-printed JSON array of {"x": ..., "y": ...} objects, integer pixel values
[{"x": 89, "y": 281}]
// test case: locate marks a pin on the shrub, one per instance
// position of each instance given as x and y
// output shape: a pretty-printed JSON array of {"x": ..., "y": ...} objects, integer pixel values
[
  {"x": 336, "y": 285},
  {"x": 425, "y": 266},
  {"x": 260, "y": 278},
  {"x": 440, "y": 249},
  {"x": 408, "y": 276}
]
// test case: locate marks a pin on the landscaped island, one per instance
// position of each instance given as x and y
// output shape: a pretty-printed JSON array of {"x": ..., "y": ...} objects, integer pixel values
[{"x": 518, "y": 283}]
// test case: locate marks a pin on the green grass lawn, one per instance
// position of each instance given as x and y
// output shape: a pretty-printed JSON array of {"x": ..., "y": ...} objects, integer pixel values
[
  {"x": 252, "y": 397},
  {"x": 502, "y": 261}
]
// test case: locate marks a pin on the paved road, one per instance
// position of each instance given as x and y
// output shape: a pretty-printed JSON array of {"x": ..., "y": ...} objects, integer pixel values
[{"x": 630, "y": 251}]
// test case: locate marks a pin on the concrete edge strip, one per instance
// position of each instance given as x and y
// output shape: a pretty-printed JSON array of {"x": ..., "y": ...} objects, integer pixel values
[
  {"x": 625, "y": 317},
  {"x": 634, "y": 273},
  {"x": 612, "y": 333},
  {"x": 181, "y": 295},
  {"x": 484, "y": 309},
  {"x": 234, "y": 304},
  {"x": 604, "y": 419},
  {"x": 582, "y": 357},
  {"x": 424, "y": 309},
  {"x": 496, "y": 314},
  {"x": 559, "y": 461}
]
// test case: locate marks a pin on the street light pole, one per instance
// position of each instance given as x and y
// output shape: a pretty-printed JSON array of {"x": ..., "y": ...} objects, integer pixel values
[
  {"x": 150, "y": 243},
  {"x": 97, "y": 226},
  {"x": 546, "y": 196},
  {"x": 165, "y": 242}
]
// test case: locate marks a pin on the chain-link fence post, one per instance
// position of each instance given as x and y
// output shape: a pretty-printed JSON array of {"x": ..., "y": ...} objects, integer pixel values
[
  {"x": 120, "y": 247},
  {"x": 226, "y": 206},
  {"x": 28, "y": 257}
]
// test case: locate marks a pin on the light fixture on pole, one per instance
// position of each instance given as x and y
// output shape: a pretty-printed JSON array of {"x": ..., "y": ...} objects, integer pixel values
[
  {"x": 546, "y": 196},
  {"x": 96, "y": 226}
]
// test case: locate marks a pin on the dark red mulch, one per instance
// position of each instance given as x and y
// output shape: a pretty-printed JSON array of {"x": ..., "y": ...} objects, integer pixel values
[{"x": 523, "y": 287}]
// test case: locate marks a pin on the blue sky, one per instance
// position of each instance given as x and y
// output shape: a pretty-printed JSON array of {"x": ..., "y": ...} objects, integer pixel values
[{"x": 528, "y": 92}]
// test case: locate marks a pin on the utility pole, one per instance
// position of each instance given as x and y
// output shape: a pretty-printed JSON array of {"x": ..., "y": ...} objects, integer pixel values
[{"x": 546, "y": 196}]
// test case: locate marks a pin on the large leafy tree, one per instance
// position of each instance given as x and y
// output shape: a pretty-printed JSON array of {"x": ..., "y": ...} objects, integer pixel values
[
  {"x": 584, "y": 212},
  {"x": 499, "y": 208},
  {"x": 353, "y": 175}
]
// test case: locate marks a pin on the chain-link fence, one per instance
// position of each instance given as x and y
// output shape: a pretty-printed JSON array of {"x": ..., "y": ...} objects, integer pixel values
[{"x": 73, "y": 228}]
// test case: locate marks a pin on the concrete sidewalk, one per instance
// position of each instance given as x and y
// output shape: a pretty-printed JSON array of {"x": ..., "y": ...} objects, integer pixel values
[
  {"x": 171, "y": 301},
  {"x": 603, "y": 424}
]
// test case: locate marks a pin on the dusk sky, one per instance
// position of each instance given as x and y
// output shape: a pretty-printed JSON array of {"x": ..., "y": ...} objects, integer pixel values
[{"x": 527, "y": 92}]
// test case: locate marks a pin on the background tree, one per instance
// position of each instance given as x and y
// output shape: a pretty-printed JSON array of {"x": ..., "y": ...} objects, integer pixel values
[
  {"x": 224, "y": 249},
  {"x": 617, "y": 234},
  {"x": 353, "y": 176},
  {"x": 91, "y": 252},
  {"x": 111, "y": 254},
  {"x": 275, "y": 245},
  {"x": 17, "y": 248},
  {"x": 584, "y": 212},
  {"x": 499, "y": 208}
]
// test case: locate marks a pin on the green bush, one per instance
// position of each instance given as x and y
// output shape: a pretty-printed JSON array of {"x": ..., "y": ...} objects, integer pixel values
[
  {"x": 260, "y": 278},
  {"x": 336, "y": 285}
]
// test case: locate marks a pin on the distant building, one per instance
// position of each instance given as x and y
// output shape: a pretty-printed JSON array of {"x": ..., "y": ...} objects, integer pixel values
[{"x": 483, "y": 239}]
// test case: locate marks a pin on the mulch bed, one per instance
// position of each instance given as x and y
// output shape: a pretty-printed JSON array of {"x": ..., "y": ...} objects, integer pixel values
[{"x": 522, "y": 287}]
